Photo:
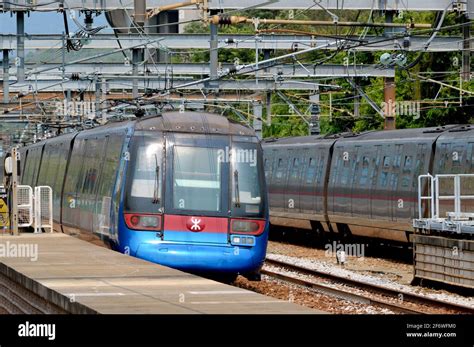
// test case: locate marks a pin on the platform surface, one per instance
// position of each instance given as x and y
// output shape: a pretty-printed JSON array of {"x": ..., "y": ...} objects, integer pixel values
[{"x": 69, "y": 271}]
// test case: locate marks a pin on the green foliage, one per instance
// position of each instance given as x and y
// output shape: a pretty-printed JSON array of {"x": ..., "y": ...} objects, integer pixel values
[{"x": 439, "y": 104}]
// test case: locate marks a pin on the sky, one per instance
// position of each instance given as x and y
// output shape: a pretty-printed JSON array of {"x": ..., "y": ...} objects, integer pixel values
[{"x": 42, "y": 23}]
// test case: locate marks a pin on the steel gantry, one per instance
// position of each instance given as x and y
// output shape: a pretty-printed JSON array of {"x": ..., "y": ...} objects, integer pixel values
[{"x": 103, "y": 5}]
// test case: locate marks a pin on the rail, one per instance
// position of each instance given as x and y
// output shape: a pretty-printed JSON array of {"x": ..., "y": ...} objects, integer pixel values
[{"x": 379, "y": 289}]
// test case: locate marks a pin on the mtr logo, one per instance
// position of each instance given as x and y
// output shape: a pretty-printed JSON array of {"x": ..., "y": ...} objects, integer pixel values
[{"x": 195, "y": 224}]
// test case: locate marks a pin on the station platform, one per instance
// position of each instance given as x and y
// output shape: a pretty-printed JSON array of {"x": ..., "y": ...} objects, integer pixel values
[{"x": 68, "y": 275}]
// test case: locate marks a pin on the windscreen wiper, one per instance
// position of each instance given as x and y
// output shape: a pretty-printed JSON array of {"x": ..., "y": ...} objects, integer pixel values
[
  {"x": 156, "y": 186},
  {"x": 236, "y": 187}
]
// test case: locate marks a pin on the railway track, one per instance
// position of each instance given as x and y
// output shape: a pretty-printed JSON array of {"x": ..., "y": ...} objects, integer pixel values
[{"x": 394, "y": 300}]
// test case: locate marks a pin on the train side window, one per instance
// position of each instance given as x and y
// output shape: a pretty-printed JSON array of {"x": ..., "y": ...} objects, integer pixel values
[
  {"x": 383, "y": 179},
  {"x": 279, "y": 171},
  {"x": 320, "y": 169},
  {"x": 405, "y": 181},
  {"x": 420, "y": 163},
  {"x": 397, "y": 160},
  {"x": 265, "y": 167},
  {"x": 345, "y": 175},
  {"x": 375, "y": 170},
  {"x": 386, "y": 161},
  {"x": 90, "y": 171},
  {"x": 364, "y": 174},
  {"x": 457, "y": 155},
  {"x": 443, "y": 155},
  {"x": 346, "y": 168},
  {"x": 394, "y": 181},
  {"x": 45, "y": 167},
  {"x": 355, "y": 166},
  {"x": 311, "y": 171},
  {"x": 295, "y": 170},
  {"x": 407, "y": 163},
  {"x": 398, "y": 157},
  {"x": 36, "y": 161},
  {"x": 470, "y": 153},
  {"x": 336, "y": 172}
]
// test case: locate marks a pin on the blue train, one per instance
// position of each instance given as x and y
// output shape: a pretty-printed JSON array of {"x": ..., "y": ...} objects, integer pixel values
[{"x": 186, "y": 190}]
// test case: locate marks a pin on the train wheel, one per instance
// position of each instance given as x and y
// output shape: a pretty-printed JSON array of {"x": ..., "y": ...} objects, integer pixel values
[
  {"x": 253, "y": 276},
  {"x": 225, "y": 278}
]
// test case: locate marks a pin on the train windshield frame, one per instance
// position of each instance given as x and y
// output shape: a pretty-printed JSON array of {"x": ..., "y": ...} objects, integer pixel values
[
  {"x": 202, "y": 191},
  {"x": 144, "y": 193},
  {"x": 248, "y": 182}
]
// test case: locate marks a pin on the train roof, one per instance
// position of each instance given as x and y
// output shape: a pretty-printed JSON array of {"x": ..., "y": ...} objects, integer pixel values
[
  {"x": 312, "y": 139},
  {"x": 188, "y": 122},
  {"x": 460, "y": 132},
  {"x": 194, "y": 122},
  {"x": 411, "y": 133}
]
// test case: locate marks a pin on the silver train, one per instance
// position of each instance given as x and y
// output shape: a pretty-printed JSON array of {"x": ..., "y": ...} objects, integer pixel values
[{"x": 361, "y": 184}]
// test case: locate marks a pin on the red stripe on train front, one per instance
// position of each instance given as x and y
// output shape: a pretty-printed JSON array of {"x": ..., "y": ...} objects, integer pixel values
[{"x": 196, "y": 224}]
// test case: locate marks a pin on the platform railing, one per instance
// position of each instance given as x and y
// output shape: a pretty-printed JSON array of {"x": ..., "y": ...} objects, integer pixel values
[
  {"x": 422, "y": 197},
  {"x": 43, "y": 208},
  {"x": 35, "y": 208},
  {"x": 435, "y": 195}
]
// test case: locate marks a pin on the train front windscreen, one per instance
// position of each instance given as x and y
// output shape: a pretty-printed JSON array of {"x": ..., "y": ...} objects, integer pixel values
[{"x": 195, "y": 175}]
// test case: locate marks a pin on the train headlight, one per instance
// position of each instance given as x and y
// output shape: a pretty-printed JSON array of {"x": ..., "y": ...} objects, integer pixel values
[
  {"x": 253, "y": 227},
  {"x": 135, "y": 221},
  {"x": 242, "y": 240},
  {"x": 138, "y": 221}
]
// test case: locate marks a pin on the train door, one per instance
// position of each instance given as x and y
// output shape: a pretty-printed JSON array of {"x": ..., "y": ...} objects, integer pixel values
[
  {"x": 302, "y": 154},
  {"x": 398, "y": 205},
  {"x": 292, "y": 187},
  {"x": 93, "y": 160},
  {"x": 353, "y": 190},
  {"x": 407, "y": 198},
  {"x": 319, "y": 180},
  {"x": 268, "y": 167},
  {"x": 308, "y": 183},
  {"x": 360, "y": 184},
  {"x": 102, "y": 222},
  {"x": 381, "y": 197},
  {"x": 467, "y": 183},
  {"x": 277, "y": 202},
  {"x": 334, "y": 178},
  {"x": 343, "y": 190},
  {"x": 374, "y": 176},
  {"x": 421, "y": 167}
]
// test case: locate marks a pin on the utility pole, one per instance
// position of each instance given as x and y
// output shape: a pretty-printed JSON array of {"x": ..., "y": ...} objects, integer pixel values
[
  {"x": 20, "y": 46},
  {"x": 139, "y": 18},
  {"x": 268, "y": 94},
  {"x": 6, "y": 77},
  {"x": 257, "y": 118},
  {"x": 467, "y": 52},
  {"x": 135, "y": 61},
  {"x": 389, "y": 84},
  {"x": 314, "y": 123},
  {"x": 13, "y": 169},
  {"x": 97, "y": 96},
  {"x": 213, "y": 57},
  {"x": 104, "y": 98}
]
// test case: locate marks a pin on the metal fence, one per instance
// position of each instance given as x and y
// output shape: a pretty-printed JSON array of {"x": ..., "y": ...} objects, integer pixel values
[
  {"x": 43, "y": 208},
  {"x": 455, "y": 190},
  {"x": 35, "y": 208}
]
